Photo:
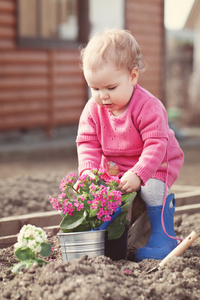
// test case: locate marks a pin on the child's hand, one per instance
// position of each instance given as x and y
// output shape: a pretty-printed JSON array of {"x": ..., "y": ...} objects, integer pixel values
[
  {"x": 129, "y": 182},
  {"x": 86, "y": 172}
]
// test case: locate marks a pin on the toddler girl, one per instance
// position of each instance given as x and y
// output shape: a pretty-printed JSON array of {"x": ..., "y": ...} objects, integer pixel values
[{"x": 124, "y": 130}]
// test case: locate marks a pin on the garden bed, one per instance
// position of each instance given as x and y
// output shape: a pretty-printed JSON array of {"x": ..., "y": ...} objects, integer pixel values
[{"x": 26, "y": 182}]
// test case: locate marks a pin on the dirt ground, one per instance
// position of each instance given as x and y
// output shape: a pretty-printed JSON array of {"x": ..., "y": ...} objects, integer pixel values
[{"x": 26, "y": 181}]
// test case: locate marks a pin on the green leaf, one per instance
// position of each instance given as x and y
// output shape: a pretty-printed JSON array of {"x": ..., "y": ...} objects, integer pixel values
[
  {"x": 117, "y": 227},
  {"x": 24, "y": 254},
  {"x": 93, "y": 213},
  {"x": 62, "y": 215},
  {"x": 128, "y": 199},
  {"x": 46, "y": 249},
  {"x": 70, "y": 222},
  {"x": 115, "y": 232},
  {"x": 83, "y": 227},
  {"x": 25, "y": 264},
  {"x": 68, "y": 194},
  {"x": 40, "y": 262}
]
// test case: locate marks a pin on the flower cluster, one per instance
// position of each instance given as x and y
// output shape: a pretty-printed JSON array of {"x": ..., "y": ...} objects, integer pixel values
[
  {"x": 31, "y": 242},
  {"x": 31, "y": 237},
  {"x": 94, "y": 196},
  {"x": 95, "y": 204},
  {"x": 105, "y": 201}
]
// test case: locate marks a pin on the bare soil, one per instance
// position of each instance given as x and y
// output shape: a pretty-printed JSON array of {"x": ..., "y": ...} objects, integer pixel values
[{"x": 26, "y": 181}]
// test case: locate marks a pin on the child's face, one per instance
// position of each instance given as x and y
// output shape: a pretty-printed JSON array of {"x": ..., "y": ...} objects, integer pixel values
[{"x": 112, "y": 88}]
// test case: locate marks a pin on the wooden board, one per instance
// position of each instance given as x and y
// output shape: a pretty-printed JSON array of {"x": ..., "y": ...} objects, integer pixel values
[
  {"x": 12, "y": 225},
  {"x": 186, "y": 195}
]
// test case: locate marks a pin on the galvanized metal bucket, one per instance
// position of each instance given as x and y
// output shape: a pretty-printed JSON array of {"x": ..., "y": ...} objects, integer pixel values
[{"x": 78, "y": 244}]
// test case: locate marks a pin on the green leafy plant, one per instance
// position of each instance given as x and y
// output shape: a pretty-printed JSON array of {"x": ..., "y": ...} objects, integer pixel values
[
  {"x": 31, "y": 242},
  {"x": 95, "y": 202}
]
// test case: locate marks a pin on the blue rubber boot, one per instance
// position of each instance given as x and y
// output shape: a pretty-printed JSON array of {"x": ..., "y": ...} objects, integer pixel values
[{"x": 159, "y": 244}]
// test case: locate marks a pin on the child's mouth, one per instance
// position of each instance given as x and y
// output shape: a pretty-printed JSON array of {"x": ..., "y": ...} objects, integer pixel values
[{"x": 108, "y": 105}]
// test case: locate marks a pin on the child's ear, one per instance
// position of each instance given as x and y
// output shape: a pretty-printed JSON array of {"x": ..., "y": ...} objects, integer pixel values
[{"x": 134, "y": 75}]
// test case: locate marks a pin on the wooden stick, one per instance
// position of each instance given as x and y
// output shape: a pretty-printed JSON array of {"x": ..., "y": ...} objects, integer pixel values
[{"x": 180, "y": 248}]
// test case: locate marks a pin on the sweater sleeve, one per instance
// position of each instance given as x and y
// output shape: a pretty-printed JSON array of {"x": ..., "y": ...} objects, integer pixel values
[
  {"x": 151, "y": 158},
  {"x": 88, "y": 145},
  {"x": 153, "y": 127}
]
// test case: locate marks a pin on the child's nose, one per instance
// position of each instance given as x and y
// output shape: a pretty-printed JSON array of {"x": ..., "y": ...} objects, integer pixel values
[{"x": 103, "y": 95}]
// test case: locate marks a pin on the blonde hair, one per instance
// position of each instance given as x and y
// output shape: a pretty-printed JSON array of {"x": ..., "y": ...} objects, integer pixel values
[{"x": 117, "y": 46}]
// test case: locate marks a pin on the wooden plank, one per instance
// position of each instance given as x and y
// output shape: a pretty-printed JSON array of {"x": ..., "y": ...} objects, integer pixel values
[
  {"x": 73, "y": 103},
  {"x": 7, "y": 19},
  {"x": 23, "y": 95},
  {"x": 8, "y": 241},
  {"x": 7, "y": 6},
  {"x": 7, "y": 32},
  {"x": 67, "y": 117},
  {"x": 23, "y": 56},
  {"x": 67, "y": 94},
  {"x": 24, "y": 108},
  {"x": 12, "y": 225},
  {"x": 187, "y": 194},
  {"x": 23, "y": 70},
  {"x": 7, "y": 44},
  {"x": 75, "y": 81},
  {"x": 36, "y": 120},
  {"x": 40, "y": 82},
  {"x": 22, "y": 120},
  {"x": 187, "y": 209},
  {"x": 67, "y": 68},
  {"x": 30, "y": 56},
  {"x": 70, "y": 92},
  {"x": 189, "y": 198},
  {"x": 185, "y": 188},
  {"x": 139, "y": 232},
  {"x": 67, "y": 57},
  {"x": 23, "y": 83}
]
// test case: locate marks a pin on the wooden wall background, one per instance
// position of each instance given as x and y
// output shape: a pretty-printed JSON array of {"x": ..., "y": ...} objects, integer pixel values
[
  {"x": 145, "y": 20},
  {"x": 38, "y": 88},
  {"x": 45, "y": 88}
]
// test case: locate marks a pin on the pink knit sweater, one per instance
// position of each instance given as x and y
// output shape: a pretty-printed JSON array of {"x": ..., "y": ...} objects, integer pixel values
[{"x": 139, "y": 140}]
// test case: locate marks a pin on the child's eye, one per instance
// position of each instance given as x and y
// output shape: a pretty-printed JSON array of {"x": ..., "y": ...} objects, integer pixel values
[
  {"x": 112, "y": 88},
  {"x": 95, "y": 89}
]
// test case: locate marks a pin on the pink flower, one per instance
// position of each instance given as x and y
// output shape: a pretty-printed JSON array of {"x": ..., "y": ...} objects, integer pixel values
[
  {"x": 102, "y": 200},
  {"x": 107, "y": 218}
]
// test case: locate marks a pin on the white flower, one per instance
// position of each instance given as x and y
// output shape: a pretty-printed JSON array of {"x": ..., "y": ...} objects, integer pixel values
[
  {"x": 38, "y": 249},
  {"x": 32, "y": 244},
  {"x": 31, "y": 237},
  {"x": 40, "y": 237},
  {"x": 28, "y": 233},
  {"x": 21, "y": 244},
  {"x": 44, "y": 236}
]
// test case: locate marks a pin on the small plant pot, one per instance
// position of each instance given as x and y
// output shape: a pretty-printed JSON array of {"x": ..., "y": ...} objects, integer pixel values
[
  {"x": 78, "y": 244},
  {"x": 116, "y": 249}
]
